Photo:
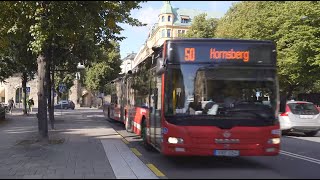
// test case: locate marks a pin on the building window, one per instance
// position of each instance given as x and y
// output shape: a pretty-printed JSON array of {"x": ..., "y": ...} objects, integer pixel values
[
  {"x": 169, "y": 18},
  {"x": 163, "y": 33},
  {"x": 181, "y": 32},
  {"x": 162, "y": 18},
  {"x": 168, "y": 32},
  {"x": 184, "y": 20}
]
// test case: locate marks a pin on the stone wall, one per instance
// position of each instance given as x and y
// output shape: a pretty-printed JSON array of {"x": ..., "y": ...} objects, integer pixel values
[
  {"x": 15, "y": 82},
  {"x": 74, "y": 93}
]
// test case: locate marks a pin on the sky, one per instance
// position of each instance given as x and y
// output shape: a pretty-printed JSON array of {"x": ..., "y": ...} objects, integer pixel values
[{"x": 148, "y": 13}]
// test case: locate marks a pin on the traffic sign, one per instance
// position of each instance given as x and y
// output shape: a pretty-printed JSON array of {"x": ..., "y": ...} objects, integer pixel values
[
  {"x": 258, "y": 94},
  {"x": 28, "y": 89},
  {"x": 62, "y": 88}
]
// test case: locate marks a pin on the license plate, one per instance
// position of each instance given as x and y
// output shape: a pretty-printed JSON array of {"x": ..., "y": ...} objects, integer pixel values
[
  {"x": 230, "y": 153},
  {"x": 306, "y": 116}
]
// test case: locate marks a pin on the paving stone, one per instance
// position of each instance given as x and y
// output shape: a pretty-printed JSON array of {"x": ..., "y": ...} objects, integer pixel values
[
  {"x": 79, "y": 156},
  {"x": 32, "y": 177}
]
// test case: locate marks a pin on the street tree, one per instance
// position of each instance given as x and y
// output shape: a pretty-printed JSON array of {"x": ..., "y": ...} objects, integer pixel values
[
  {"x": 105, "y": 68},
  {"x": 202, "y": 27},
  {"x": 72, "y": 21},
  {"x": 16, "y": 56},
  {"x": 293, "y": 25}
]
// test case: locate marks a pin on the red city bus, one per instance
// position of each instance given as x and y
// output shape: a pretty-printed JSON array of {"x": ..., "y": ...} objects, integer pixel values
[{"x": 205, "y": 97}]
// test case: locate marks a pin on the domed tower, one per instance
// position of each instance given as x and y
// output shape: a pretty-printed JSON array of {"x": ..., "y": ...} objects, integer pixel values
[
  {"x": 165, "y": 22},
  {"x": 166, "y": 15}
]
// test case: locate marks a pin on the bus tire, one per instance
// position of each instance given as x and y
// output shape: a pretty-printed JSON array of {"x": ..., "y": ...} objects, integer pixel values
[{"x": 145, "y": 143}]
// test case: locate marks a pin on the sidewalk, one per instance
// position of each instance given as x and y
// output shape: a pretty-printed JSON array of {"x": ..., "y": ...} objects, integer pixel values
[{"x": 80, "y": 148}]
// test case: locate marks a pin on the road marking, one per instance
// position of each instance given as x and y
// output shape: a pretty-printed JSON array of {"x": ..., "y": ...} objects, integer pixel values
[
  {"x": 89, "y": 116},
  {"x": 125, "y": 164},
  {"x": 317, "y": 161},
  {"x": 155, "y": 170},
  {"x": 124, "y": 140},
  {"x": 312, "y": 139},
  {"x": 136, "y": 152}
]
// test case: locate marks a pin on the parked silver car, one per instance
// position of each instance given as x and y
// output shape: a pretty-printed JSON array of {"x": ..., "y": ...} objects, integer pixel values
[
  {"x": 65, "y": 104},
  {"x": 300, "y": 116}
]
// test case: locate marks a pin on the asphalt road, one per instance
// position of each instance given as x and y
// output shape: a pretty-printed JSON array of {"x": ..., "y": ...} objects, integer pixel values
[{"x": 299, "y": 158}]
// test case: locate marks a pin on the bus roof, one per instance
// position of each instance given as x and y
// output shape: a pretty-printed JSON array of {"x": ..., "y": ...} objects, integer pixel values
[
  {"x": 179, "y": 39},
  {"x": 218, "y": 40}
]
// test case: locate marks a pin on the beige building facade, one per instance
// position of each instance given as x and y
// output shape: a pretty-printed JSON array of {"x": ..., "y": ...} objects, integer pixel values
[{"x": 172, "y": 23}]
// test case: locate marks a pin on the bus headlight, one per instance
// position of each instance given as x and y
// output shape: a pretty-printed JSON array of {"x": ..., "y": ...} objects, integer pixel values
[
  {"x": 173, "y": 140},
  {"x": 274, "y": 141}
]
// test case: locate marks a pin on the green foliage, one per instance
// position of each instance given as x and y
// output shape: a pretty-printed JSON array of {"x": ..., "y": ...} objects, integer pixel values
[
  {"x": 294, "y": 26},
  {"x": 202, "y": 27},
  {"x": 110, "y": 88},
  {"x": 65, "y": 32},
  {"x": 141, "y": 81},
  {"x": 66, "y": 78},
  {"x": 14, "y": 53},
  {"x": 105, "y": 68}
]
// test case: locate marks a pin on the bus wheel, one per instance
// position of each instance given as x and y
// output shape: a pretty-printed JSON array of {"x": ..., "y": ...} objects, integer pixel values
[{"x": 146, "y": 145}]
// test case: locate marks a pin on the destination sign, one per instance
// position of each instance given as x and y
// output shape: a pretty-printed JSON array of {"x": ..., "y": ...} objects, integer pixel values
[{"x": 240, "y": 53}]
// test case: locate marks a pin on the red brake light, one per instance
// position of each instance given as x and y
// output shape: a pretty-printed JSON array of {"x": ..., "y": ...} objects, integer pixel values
[
  {"x": 288, "y": 109},
  {"x": 286, "y": 112}
]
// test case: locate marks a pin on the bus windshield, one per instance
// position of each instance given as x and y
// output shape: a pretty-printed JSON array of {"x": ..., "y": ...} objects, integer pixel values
[{"x": 204, "y": 91}]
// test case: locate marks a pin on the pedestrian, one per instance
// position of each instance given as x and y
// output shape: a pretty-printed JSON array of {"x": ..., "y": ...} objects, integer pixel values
[
  {"x": 30, "y": 104},
  {"x": 10, "y": 105}
]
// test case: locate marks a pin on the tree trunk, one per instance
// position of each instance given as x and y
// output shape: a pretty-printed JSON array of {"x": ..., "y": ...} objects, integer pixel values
[
  {"x": 51, "y": 109},
  {"x": 50, "y": 96},
  {"x": 24, "y": 92},
  {"x": 42, "y": 100},
  {"x": 285, "y": 96}
]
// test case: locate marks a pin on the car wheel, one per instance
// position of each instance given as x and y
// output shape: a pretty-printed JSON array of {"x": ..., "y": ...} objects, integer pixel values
[
  {"x": 311, "y": 133},
  {"x": 285, "y": 132}
]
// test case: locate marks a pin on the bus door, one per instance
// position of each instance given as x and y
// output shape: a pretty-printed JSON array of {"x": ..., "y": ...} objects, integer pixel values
[
  {"x": 122, "y": 100},
  {"x": 155, "y": 113}
]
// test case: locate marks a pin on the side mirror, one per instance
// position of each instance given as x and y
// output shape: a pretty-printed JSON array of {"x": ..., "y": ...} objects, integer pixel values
[{"x": 161, "y": 67}]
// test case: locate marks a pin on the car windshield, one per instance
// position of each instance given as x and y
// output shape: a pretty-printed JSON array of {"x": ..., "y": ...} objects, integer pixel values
[
  {"x": 223, "y": 93},
  {"x": 303, "y": 108}
]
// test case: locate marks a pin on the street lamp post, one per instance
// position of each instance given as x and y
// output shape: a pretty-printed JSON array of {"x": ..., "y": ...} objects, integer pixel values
[{"x": 80, "y": 67}]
